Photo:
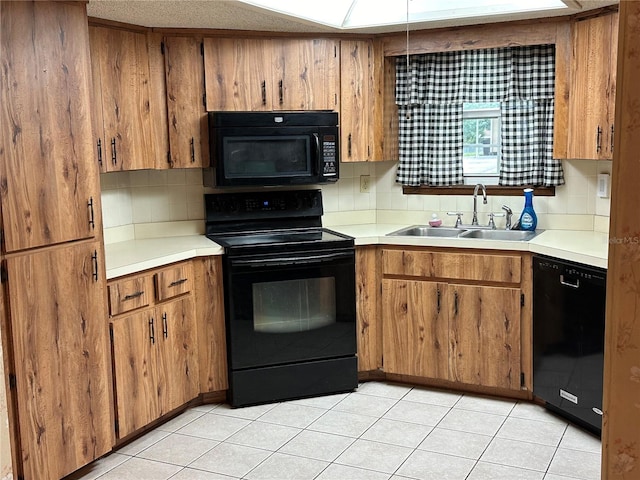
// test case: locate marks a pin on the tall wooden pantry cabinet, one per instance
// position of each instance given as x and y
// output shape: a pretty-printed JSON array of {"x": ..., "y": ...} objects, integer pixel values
[{"x": 54, "y": 331}]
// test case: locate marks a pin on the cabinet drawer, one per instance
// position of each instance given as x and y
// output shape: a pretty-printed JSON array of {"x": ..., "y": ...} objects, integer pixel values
[
  {"x": 444, "y": 265},
  {"x": 173, "y": 281},
  {"x": 129, "y": 294}
]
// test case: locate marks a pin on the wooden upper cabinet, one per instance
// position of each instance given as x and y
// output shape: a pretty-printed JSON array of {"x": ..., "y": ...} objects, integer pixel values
[
  {"x": 360, "y": 101},
  {"x": 49, "y": 184},
  {"x": 184, "y": 79},
  {"x": 236, "y": 74},
  {"x": 120, "y": 61},
  {"x": 592, "y": 92},
  {"x": 306, "y": 74},
  {"x": 60, "y": 343},
  {"x": 280, "y": 74}
]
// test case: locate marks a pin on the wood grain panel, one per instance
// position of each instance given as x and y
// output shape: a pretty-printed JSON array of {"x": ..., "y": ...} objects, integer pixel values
[
  {"x": 135, "y": 370},
  {"x": 158, "y": 98},
  {"x": 178, "y": 380},
  {"x": 369, "y": 323},
  {"x": 212, "y": 349},
  {"x": 47, "y": 176},
  {"x": 468, "y": 266},
  {"x": 562, "y": 90},
  {"x": 184, "y": 77},
  {"x": 130, "y": 293},
  {"x": 60, "y": 343},
  {"x": 173, "y": 281},
  {"x": 588, "y": 109},
  {"x": 484, "y": 323},
  {"x": 235, "y": 71},
  {"x": 124, "y": 80},
  {"x": 415, "y": 330},
  {"x": 310, "y": 73}
]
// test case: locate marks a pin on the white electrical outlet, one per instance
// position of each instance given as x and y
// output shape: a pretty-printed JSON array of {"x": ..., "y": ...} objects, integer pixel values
[{"x": 365, "y": 183}]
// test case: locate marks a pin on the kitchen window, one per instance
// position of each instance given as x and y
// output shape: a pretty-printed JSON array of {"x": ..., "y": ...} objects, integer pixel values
[{"x": 481, "y": 148}]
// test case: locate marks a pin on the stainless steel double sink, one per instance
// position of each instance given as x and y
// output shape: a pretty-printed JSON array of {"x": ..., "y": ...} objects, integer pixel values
[{"x": 462, "y": 232}]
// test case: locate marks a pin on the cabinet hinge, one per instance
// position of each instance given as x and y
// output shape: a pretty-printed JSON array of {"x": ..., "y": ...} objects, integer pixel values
[
  {"x": 522, "y": 299},
  {"x": 4, "y": 275},
  {"x": 162, "y": 48},
  {"x": 13, "y": 382},
  {"x": 522, "y": 379}
]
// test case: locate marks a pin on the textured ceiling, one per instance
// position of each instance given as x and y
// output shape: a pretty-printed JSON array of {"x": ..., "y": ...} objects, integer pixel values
[{"x": 234, "y": 15}]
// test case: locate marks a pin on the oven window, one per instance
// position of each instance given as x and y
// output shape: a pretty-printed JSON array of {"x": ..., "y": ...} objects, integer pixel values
[
  {"x": 294, "y": 305},
  {"x": 267, "y": 156}
]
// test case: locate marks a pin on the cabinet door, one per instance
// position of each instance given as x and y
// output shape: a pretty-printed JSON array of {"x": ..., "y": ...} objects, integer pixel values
[
  {"x": 358, "y": 102},
  {"x": 60, "y": 343},
  {"x": 415, "y": 330},
  {"x": 178, "y": 369},
  {"x": 485, "y": 335},
  {"x": 123, "y": 61},
  {"x": 135, "y": 340},
  {"x": 49, "y": 186},
  {"x": 306, "y": 74},
  {"x": 367, "y": 297},
  {"x": 592, "y": 97},
  {"x": 184, "y": 77},
  {"x": 238, "y": 74}
]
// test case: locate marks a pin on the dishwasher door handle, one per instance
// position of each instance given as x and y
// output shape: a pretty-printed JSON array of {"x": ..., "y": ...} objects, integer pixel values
[{"x": 569, "y": 284}]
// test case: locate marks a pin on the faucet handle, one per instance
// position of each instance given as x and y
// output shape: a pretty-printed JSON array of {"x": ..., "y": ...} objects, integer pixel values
[
  {"x": 492, "y": 223},
  {"x": 509, "y": 213},
  {"x": 459, "y": 219}
]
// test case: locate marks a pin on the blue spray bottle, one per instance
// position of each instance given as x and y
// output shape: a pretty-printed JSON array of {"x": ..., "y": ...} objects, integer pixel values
[{"x": 528, "y": 218}]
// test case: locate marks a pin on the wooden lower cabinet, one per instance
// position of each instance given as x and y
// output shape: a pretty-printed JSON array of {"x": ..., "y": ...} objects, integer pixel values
[
  {"x": 155, "y": 363},
  {"x": 415, "y": 328},
  {"x": 369, "y": 328},
  {"x": 445, "y": 324},
  {"x": 59, "y": 344},
  {"x": 154, "y": 345},
  {"x": 484, "y": 329}
]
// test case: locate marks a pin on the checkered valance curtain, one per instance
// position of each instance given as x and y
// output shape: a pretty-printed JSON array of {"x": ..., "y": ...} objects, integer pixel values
[{"x": 430, "y": 94}]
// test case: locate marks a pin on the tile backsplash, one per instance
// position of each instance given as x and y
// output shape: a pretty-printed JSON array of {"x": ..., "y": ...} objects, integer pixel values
[{"x": 156, "y": 196}]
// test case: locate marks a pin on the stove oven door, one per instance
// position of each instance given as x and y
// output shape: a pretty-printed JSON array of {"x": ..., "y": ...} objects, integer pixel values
[{"x": 291, "y": 324}]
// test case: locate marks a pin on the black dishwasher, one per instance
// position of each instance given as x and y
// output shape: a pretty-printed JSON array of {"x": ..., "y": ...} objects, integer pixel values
[{"x": 568, "y": 339}]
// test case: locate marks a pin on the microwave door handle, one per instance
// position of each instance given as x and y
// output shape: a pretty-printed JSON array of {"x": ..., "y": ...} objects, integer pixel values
[{"x": 317, "y": 142}]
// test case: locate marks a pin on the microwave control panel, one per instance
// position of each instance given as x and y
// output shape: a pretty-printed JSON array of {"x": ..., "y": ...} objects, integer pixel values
[{"x": 329, "y": 160}]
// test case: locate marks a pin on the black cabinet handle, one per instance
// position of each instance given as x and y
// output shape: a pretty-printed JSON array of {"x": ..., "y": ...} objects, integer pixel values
[
  {"x": 165, "y": 326},
  {"x": 94, "y": 258},
  {"x": 263, "y": 86},
  {"x": 114, "y": 154},
  {"x": 611, "y": 139},
  {"x": 177, "y": 282},
  {"x": 349, "y": 146},
  {"x": 92, "y": 220},
  {"x": 281, "y": 90},
  {"x": 152, "y": 332},
  {"x": 193, "y": 151},
  {"x": 99, "y": 152},
  {"x": 438, "y": 300},
  {"x": 599, "y": 139},
  {"x": 133, "y": 295}
]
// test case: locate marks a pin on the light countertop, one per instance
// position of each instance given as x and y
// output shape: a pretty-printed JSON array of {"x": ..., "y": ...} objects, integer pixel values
[{"x": 123, "y": 258}]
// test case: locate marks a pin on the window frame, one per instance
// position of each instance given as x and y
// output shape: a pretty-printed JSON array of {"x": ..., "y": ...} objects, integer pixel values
[{"x": 483, "y": 113}]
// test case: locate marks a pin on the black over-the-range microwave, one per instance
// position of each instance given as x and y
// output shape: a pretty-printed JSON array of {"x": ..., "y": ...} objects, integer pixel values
[{"x": 272, "y": 148}]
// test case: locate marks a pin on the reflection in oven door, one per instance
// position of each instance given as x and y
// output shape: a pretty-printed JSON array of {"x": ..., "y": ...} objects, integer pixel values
[{"x": 288, "y": 314}]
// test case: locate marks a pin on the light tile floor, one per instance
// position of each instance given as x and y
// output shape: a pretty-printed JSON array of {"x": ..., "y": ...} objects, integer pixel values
[{"x": 382, "y": 431}]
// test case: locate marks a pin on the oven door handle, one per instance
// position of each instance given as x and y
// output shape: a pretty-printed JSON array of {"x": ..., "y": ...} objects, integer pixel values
[{"x": 284, "y": 261}]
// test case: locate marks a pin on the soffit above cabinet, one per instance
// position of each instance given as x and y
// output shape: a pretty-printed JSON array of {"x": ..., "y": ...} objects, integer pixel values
[{"x": 237, "y": 15}]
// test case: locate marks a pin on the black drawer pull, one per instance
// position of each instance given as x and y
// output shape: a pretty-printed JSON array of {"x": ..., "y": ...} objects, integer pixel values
[
  {"x": 152, "y": 331},
  {"x": 177, "y": 282},
  {"x": 132, "y": 296}
]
